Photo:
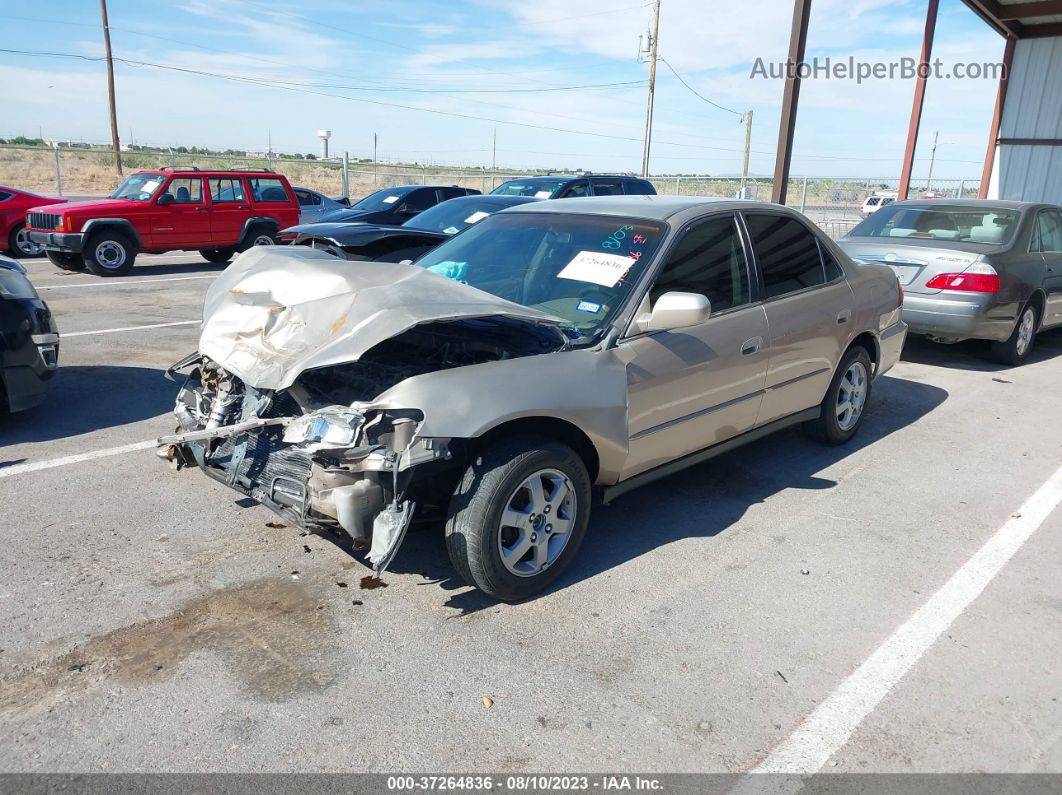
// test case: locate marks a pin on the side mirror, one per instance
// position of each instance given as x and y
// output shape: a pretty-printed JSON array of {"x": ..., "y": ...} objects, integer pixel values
[
  {"x": 677, "y": 310},
  {"x": 164, "y": 199}
]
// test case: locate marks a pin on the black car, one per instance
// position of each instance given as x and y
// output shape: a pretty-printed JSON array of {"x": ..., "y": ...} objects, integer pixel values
[
  {"x": 29, "y": 340},
  {"x": 396, "y": 205},
  {"x": 572, "y": 187},
  {"x": 410, "y": 240}
]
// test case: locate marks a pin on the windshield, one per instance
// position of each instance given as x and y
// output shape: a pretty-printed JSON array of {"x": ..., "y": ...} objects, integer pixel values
[
  {"x": 139, "y": 187},
  {"x": 381, "y": 200},
  {"x": 994, "y": 225},
  {"x": 452, "y": 216},
  {"x": 535, "y": 188},
  {"x": 577, "y": 267}
]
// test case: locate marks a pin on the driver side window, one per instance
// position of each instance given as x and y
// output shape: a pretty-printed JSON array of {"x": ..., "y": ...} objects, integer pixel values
[
  {"x": 710, "y": 260},
  {"x": 417, "y": 201}
]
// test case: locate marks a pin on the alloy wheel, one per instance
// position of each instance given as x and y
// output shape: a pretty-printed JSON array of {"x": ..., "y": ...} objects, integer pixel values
[
  {"x": 852, "y": 396},
  {"x": 537, "y": 522},
  {"x": 25, "y": 246},
  {"x": 1025, "y": 331}
]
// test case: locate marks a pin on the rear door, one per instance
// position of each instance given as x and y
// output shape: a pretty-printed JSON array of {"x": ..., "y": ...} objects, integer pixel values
[
  {"x": 809, "y": 312},
  {"x": 607, "y": 187},
  {"x": 310, "y": 205},
  {"x": 184, "y": 223},
  {"x": 1047, "y": 239},
  {"x": 229, "y": 209}
]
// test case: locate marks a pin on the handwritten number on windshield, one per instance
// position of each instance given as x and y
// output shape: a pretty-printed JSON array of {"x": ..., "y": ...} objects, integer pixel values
[{"x": 615, "y": 241}]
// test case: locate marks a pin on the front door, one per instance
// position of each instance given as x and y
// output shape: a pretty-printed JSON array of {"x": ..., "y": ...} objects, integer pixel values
[
  {"x": 229, "y": 210},
  {"x": 693, "y": 387},
  {"x": 184, "y": 222},
  {"x": 809, "y": 312}
]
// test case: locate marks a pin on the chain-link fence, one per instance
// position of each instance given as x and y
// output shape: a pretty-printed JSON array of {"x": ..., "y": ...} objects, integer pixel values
[{"x": 834, "y": 203}]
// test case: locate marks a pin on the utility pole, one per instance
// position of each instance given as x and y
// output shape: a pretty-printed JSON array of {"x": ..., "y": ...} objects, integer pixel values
[
  {"x": 374, "y": 160},
  {"x": 652, "y": 87},
  {"x": 110, "y": 88},
  {"x": 932, "y": 160},
  {"x": 748, "y": 149}
]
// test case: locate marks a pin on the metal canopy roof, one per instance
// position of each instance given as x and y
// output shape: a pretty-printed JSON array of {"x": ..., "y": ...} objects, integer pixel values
[{"x": 1022, "y": 19}]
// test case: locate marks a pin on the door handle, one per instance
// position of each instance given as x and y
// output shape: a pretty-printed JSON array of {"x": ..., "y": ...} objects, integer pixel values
[
  {"x": 844, "y": 316},
  {"x": 751, "y": 346}
]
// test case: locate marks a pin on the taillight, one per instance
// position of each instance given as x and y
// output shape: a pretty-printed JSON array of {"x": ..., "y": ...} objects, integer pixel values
[{"x": 978, "y": 278}]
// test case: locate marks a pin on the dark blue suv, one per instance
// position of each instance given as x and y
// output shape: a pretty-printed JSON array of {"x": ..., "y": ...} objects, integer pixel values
[{"x": 569, "y": 187}]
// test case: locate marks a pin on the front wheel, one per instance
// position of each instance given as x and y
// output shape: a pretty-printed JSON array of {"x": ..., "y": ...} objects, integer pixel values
[
  {"x": 841, "y": 411},
  {"x": 109, "y": 254},
  {"x": 217, "y": 255},
  {"x": 262, "y": 236},
  {"x": 518, "y": 516},
  {"x": 21, "y": 246},
  {"x": 66, "y": 262},
  {"x": 1016, "y": 348}
]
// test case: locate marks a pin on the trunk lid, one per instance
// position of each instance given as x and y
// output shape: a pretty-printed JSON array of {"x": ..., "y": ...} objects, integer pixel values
[{"x": 915, "y": 262}]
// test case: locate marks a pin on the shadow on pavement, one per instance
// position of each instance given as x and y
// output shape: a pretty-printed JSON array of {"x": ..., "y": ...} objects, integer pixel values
[
  {"x": 85, "y": 399},
  {"x": 976, "y": 354},
  {"x": 701, "y": 502}
]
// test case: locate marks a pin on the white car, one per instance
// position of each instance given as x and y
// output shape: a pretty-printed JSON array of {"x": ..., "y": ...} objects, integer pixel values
[
  {"x": 876, "y": 202},
  {"x": 313, "y": 204}
]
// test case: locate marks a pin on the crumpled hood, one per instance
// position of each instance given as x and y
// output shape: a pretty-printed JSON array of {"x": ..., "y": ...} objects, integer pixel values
[{"x": 278, "y": 311}]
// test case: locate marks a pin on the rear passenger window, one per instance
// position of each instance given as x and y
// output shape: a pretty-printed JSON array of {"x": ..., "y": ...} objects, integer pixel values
[
  {"x": 608, "y": 188},
  {"x": 225, "y": 189},
  {"x": 575, "y": 190},
  {"x": 419, "y": 200},
  {"x": 833, "y": 268},
  {"x": 267, "y": 189},
  {"x": 787, "y": 253},
  {"x": 307, "y": 199},
  {"x": 639, "y": 187},
  {"x": 1049, "y": 229},
  {"x": 709, "y": 260}
]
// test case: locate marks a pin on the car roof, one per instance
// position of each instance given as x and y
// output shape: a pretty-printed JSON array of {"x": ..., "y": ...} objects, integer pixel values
[
  {"x": 211, "y": 172},
  {"x": 655, "y": 208},
  {"x": 492, "y": 198},
  {"x": 568, "y": 177}
]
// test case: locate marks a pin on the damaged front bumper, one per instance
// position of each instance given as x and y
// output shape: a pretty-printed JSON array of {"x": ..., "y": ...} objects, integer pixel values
[{"x": 318, "y": 467}]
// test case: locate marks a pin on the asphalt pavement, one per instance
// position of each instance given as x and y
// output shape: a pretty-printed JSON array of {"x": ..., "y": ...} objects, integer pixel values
[{"x": 890, "y": 605}]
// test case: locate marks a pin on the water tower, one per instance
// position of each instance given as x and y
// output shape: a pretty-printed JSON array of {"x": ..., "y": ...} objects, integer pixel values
[{"x": 324, "y": 135}]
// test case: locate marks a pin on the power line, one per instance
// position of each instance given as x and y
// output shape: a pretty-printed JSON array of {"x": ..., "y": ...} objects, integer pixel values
[{"x": 697, "y": 93}]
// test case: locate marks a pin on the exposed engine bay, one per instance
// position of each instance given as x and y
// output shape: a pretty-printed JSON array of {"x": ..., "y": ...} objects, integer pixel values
[{"x": 312, "y": 455}]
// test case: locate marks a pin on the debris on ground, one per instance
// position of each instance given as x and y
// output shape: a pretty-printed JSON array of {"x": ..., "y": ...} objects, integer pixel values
[
  {"x": 275, "y": 525},
  {"x": 805, "y": 571},
  {"x": 357, "y": 603},
  {"x": 341, "y": 584},
  {"x": 1002, "y": 381},
  {"x": 782, "y": 676},
  {"x": 295, "y": 575},
  {"x": 488, "y": 702},
  {"x": 306, "y": 549},
  {"x": 79, "y": 667},
  {"x": 371, "y": 583}
]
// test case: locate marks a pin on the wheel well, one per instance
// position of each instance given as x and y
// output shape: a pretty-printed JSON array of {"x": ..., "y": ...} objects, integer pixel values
[
  {"x": 1038, "y": 299},
  {"x": 127, "y": 230},
  {"x": 869, "y": 343},
  {"x": 553, "y": 428}
]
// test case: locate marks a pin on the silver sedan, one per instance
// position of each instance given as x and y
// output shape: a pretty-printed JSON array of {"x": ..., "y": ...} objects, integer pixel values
[
  {"x": 970, "y": 269},
  {"x": 313, "y": 204}
]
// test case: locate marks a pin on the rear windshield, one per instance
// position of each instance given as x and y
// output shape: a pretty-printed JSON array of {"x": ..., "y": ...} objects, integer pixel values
[
  {"x": 535, "y": 188},
  {"x": 382, "y": 199},
  {"x": 993, "y": 225}
]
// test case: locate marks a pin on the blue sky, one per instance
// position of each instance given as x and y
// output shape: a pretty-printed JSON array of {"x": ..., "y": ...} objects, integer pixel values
[{"x": 292, "y": 68}]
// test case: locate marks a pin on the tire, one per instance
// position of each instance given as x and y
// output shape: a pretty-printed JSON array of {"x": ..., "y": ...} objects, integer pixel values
[
  {"x": 497, "y": 483},
  {"x": 67, "y": 262},
  {"x": 20, "y": 246},
  {"x": 109, "y": 253},
  {"x": 1015, "y": 350},
  {"x": 217, "y": 255},
  {"x": 853, "y": 375},
  {"x": 258, "y": 236}
]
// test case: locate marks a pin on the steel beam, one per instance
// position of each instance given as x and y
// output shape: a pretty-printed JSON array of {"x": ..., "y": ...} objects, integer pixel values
[
  {"x": 919, "y": 101},
  {"x": 798, "y": 40},
  {"x": 997, "y": 118}
]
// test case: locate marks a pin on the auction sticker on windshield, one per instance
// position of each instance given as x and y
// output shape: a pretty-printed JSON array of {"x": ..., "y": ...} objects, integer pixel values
[
  {"x": 597, "y": 268},
  {"x": 476, "y": 216},
  {"x": 390, "y": 200}
]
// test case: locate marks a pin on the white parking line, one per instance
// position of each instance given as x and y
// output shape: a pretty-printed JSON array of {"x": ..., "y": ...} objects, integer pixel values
[
  {"x": 21, "y": 469},
  {"x": 124, "y": 283},
  {"x": 832, "y": 723},
  {"x": 127, "y": 328}
]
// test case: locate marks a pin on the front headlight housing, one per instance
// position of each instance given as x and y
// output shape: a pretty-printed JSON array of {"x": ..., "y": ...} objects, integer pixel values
[{"x": 336, "y": 427}]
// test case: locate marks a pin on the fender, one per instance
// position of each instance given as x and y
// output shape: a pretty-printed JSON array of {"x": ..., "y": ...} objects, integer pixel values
[
  {"x": 124, "y": 224},
  {"x": 255, "y": 221}
]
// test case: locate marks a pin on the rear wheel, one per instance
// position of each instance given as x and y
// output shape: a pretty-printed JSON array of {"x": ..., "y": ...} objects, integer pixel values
[
  {"x": 842, "y": 409},
  {"x": 21, "y": 246},
  {"x": 1016, "y": 348},
  {"x": 68, "y": 262},
  {"x": 259, "y": 236},
  {"x": 217, "y": 255},
  {"x": 518, "y": 516},
  {"x": 110, "y": 254}
]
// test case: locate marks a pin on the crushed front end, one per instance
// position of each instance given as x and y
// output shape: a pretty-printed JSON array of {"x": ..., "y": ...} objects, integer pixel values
[{"x": 319, "y": 466}]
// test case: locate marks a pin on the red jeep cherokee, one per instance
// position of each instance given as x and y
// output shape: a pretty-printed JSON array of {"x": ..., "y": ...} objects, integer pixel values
[{"x": 214, "y": 212}]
